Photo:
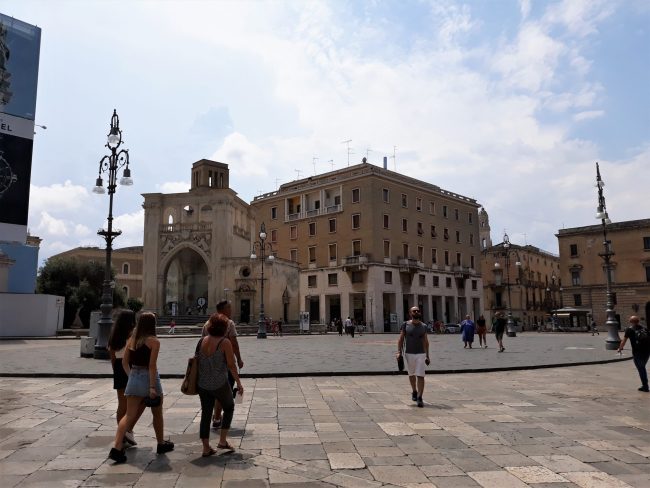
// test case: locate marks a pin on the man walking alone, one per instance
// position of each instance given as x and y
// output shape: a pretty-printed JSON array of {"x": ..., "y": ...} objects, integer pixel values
[
  {"x": 416, "y": 353},
  {"x": 640, "y": 339}
]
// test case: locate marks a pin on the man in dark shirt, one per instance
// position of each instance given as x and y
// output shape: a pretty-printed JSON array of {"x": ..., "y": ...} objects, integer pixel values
[
  {"x": 640, "y": 353},
  {"x": 416, "y": 353}
]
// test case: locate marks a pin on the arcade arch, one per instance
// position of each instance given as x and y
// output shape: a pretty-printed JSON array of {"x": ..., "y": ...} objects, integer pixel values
[{"x": 186, "y": 282}]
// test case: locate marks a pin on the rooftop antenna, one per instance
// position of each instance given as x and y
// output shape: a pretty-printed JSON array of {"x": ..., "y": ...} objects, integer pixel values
[
  {"x": 525, "y": 240},
  {"x": 394, "y": 158},
  {"x": 313, "y": 161},
  {"x": 276, "y": 183},
  {"x": 368, "y": 151},
  {"x": 331, "y": 162},
  {"x": 297, "y": 171},
  {"x": 348, "y": 144}
]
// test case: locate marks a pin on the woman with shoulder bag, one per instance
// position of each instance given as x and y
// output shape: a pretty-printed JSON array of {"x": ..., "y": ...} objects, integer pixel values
[
  {"x": 140, "y": 363},
  {"x": 215, "y": 359}
]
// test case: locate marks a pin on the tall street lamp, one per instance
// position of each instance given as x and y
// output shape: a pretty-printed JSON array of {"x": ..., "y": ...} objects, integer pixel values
[
  {"x": 262, "y": 246},
  {"x": 510, "y": 327},
  {"x": 613, "y": 339},
  {"x": 110, "y": 164}
]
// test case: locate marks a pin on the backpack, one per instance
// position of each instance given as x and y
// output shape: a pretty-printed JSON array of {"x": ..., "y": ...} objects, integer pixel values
[{"x": 642, "y": 339}]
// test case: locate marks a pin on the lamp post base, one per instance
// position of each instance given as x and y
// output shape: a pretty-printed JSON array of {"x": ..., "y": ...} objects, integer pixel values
[
  {"x": 612, "y": 345},
  {"x": 101, "y": 353},
  {"x": 261, "y": 329}
]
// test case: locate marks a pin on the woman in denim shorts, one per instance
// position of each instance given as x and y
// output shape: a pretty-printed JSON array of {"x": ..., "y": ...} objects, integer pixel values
[{"x": 139, "y": 361}]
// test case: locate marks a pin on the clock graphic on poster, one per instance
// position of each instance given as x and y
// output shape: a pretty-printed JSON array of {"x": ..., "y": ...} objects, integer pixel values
[{"x": 7, "y": 176}]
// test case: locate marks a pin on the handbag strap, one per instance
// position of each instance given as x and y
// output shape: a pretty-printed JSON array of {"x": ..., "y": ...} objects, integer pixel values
[{"x": 198, "y": 346}]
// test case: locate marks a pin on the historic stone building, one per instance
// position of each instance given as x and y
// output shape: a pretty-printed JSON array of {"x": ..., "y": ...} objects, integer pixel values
[
  {"x": 533, "y": 276},
  {"x": 197, "y": 248},
  {"x": 583, "y": 270},
  {"x": 370, "y": 243},
  {"x": 126, "y": 261}
]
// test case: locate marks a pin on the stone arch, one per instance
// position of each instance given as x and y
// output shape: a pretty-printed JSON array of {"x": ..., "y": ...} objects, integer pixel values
[
  {"x": 171, "y": 216},
  {"x": 186, "y": 278}
]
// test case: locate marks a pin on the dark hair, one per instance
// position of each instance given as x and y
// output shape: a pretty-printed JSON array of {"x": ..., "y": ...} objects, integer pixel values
[
  {"x": 218, "y": 323},
  {"x": 221, "y": 306},
  {"x": 146, "y": 327},
  {"x": 121, "y": 330}
]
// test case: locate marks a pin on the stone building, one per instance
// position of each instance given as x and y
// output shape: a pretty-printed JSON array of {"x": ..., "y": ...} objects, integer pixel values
[
  {"x": 197, "y": 248},
  {"x": 126, "y": 261},
  {"x": 370, "y": 243},
  {"x": 583, "y": 270}
]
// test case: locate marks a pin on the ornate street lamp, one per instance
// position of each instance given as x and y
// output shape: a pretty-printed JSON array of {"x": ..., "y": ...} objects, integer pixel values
[
  {"x": 613, "y": 339},
  {"x": 511, "y": 331},
  {"x": 262, "y": 246},
  {"x": 110, "y": 164}
]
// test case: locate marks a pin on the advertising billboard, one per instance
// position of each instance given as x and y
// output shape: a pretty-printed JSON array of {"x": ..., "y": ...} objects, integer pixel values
[{"x": 19, "y": 56}]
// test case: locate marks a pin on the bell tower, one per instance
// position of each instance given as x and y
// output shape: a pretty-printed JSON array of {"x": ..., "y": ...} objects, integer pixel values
[
  {"x": 484, "y": 229},
  {"x": 210, "y": 174}
]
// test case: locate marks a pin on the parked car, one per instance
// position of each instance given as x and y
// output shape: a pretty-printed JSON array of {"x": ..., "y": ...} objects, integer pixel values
[{"x": 452, "y": 328}]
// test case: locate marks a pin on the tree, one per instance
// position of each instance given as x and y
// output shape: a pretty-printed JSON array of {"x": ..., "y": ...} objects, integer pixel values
[
  {"x": 79, "y": 282},
  {"x": 135, "y": 304}
]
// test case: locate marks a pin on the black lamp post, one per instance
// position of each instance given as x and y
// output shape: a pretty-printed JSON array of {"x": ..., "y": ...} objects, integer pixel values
[
  {"x": 110, "y": 164},
  {"x": 511, "y": 331},
  {"x": 613, "y": 339},
  {"x": 262, "y": 246}
]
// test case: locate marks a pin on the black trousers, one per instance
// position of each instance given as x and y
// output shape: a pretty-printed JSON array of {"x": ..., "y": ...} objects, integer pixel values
[{"x": 224, "y": 395}]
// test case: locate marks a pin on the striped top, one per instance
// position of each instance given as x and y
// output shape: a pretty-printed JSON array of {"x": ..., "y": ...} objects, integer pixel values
[{"x": 213, "y": 369}]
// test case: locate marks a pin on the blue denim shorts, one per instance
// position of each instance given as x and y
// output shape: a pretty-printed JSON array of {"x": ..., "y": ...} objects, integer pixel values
[{"x": 138, "y": 384}]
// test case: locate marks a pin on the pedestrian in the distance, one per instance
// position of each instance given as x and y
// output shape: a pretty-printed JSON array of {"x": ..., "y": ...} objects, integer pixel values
[
  {"x": 339, "y": 326},
  {"x": 413, "y": 340},
  {"x": 280, "y": 327},
  {"x": 349, "y": 327},
  {"x": 172, "y": 327},
  {"x": 499, "y": 327},
  {"x": 481, "y": 331},
  {"x": 594, "y": 328},
  {"x": 639, "y": 337},
  {"x": 467, "y": 330}
]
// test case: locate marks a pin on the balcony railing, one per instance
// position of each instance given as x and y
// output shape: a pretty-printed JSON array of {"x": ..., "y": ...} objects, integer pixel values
[
  {"x": 314, "y": 212},
  {"x": 191, "y": 227},
  {"x": 355, "y": 263},
  {"x": 409, "y": 265}
]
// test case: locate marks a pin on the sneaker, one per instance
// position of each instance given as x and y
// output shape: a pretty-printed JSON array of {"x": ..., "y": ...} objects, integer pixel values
[
  {"x": 130, "y": 439},
  {"x": 420, "y": 402},
  {"x": 216, "y": 424},
  {"x": 644, "y": 388},
  {"x": 117, "y": 455},
  {"x": 164, "y": 447},
  {"x": 414, "y": 396}
]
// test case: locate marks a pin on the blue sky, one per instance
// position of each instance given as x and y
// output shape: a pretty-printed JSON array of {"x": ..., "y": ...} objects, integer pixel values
[{"x": 507, "y": 102}]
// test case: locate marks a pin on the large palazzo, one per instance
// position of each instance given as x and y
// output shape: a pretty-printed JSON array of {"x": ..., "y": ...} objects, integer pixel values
[{"x": 197, "y": 248}]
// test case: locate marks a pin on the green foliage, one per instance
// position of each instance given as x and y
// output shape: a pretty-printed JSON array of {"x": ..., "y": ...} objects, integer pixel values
[
  {"x": 135, "y": 304},
  {"x": 79, "y": 282}
]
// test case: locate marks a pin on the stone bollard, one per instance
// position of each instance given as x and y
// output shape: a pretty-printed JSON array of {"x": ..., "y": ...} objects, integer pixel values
[{"x": 87, "y": 347}]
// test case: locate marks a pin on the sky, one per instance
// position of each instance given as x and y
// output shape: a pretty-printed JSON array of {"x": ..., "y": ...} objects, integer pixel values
[{"x": 504, "y": 101}]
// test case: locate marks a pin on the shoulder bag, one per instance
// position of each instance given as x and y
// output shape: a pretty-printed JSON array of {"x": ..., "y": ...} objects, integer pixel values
[{"x": 190, "y": 381}]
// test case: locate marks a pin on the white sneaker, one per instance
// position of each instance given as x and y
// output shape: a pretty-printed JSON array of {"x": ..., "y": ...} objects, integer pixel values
[{"x": 129, "y": 437}]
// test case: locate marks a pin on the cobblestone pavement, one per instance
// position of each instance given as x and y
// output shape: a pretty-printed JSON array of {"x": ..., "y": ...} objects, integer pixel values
[
  {"x": 584, "y": 426},
  {"x": 320, "y": 354}
]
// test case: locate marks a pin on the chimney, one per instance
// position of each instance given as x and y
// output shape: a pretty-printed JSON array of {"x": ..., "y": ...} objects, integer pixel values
[{"x": 385, "y": 162}]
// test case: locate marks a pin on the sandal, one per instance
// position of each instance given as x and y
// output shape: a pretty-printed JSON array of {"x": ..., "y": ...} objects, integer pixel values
[
  {"x": 211, "y": 452},
  {"x": 225, "y": 446}
]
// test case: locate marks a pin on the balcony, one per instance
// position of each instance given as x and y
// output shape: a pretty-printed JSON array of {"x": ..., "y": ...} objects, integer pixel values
[
  {"x": 315, "y": 212},
  {"x": 355, "y": 263},
  {"x": 185, "y": 227},
  {"x": 409, "y": 265},
  {"x": 462, "y": 271}
]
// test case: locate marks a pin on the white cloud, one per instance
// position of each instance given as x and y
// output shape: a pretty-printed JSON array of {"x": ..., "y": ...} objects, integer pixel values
[
  {"x": 588, "y": 115},
  {"x": 81, "y": 230},
  {"x": 56, "y": 197},
  {"x": 52, "y": 226},
  {"x": 244, "y": 158},
  {"x": 132, "y": 227},
  {"x": 173, "y": 187}
]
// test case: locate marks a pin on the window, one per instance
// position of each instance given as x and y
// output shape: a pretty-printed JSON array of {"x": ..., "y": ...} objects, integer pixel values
[
  {"x": 405, "y": 225},
  {"x": 459, "y": 261},
  {"x": 311, "y": 281},
  {"x": 293, "y": 232},
  {"x": 356, "y": 195},
  {"x": 646, "y": 243},
  {"x": 577, "y": 299},
  {"x": 474, "y": 285},
  {"x": 388, "y": 277},
  {"x": 356, "y": 248},
  {"x": 293, "y": 255},
  {"x": 432, "y": 208},
  {"x": 436, "y": 281},
  {"x": 125, "y": 268},
  {"x": 357, "y": 277},
  {"x": 446, "y": 258},
  {"x": 405, "y": 250},
  {"x": 405, "y": 200},
  {"x": 420, "y": 230},
  {"x": 458, "y": 236},
  {"x": 356, "y": 221},
  {"x": 469, "y": 217},
  {"x": 472, "y": 263},
  {"x": 434, "y": 234},
  {"x": 575, "y": 278},
  {"x": 418, "y": 204},
  {"x": 444, "y": 211},
  {"x": 386, "y": 221},
  {"x": 456, "y": 213},
  {"x": 387, "y": 249},
  {"x": 312, "y": 254},
  {"x": 332, "y": 252},
  {"x": 420, "y": 253},
  {"x": 332, "y": 279},
  {"x": 274, "y": 235},
  {"x": 274, "y": 213},
  {"x": 125, "y": 290},
  {"x": 312, "y": 229},
  {"x": 386, "y": 195},
  {"x": 448, "y": 282},
  {"x": 332, "y": 225},
  {"x": 434, "y": 256},
  {"x": 422, "y": 279},
  {"x": 574, "y": 250},
  {"x": 471, "y": 239},
  {"x": 445, "y": 234},
  {"x": 647, "y": 274}
]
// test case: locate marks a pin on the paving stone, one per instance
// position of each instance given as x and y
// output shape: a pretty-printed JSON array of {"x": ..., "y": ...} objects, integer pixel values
[
  {"x": 442, "y": 470},
  {"x": 594, "y": 480},
  {"x": 348, "y": 481},
  {"x": 562, "y": 463},
  {"x": 496, "y": 479},
  {"x": 404, "y": 474},
  {"x": 245, "y": 484},
  {"x": 511, "y": 460},
  {"x": 303, "y": 452},
  {"x": 345, "y": 460},
  {"x": 535, "y": 474}
]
